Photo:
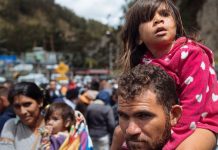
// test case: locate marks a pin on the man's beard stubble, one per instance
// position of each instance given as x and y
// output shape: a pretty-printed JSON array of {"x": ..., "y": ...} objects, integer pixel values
[{"x": 155, "y": 145}]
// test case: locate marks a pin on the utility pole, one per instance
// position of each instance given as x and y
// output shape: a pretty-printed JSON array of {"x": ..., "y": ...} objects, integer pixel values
[
  {"x": 110, "y": 57},
  {"x": 108, "y": 34}
]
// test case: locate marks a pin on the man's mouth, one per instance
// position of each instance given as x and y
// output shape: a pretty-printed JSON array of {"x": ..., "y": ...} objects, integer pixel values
[{"x": 139, "y": 145}]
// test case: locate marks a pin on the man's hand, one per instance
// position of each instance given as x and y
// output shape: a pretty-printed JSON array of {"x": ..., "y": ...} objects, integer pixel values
[{"x": 118, "y": 139}]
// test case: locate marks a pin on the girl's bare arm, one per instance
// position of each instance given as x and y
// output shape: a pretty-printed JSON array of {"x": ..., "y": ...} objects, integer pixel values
[{"x": 201, "y": 139}]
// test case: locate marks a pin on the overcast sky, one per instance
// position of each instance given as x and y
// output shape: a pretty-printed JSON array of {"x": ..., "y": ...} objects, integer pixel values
[{"x": 96, "y": 9}]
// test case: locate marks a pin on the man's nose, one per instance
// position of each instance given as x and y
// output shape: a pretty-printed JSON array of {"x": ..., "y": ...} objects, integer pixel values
[{"x": 133, "y": 129}]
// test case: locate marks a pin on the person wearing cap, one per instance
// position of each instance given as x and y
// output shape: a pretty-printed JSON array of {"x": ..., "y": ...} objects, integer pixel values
[
  {"x": 85, "y": 98},
  {"x": 101, "y": 121}
]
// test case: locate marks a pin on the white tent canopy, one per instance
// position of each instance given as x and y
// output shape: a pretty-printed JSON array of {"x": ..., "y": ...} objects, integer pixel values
[{"x": 23, "y": 67}]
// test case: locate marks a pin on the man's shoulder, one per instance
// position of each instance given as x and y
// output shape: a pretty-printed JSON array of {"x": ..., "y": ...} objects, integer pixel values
[
  {"x": 8, "y": 113},
  {"x": 9, "y": 128},
  {"x": 11, "y": 122}
]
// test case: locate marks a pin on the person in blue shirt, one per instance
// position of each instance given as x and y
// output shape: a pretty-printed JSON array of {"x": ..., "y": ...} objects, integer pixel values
[{"x": 6, "y": 111}]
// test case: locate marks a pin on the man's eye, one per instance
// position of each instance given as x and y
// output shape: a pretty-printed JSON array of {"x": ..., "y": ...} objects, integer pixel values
[
  {"x": 120, "y": 115},
  {"x": 143, "y": 116},
  {"x": 123, "y": 116}
]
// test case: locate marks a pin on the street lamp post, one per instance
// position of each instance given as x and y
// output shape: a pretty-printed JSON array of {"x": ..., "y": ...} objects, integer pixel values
[{"x": 110, "y": 61}]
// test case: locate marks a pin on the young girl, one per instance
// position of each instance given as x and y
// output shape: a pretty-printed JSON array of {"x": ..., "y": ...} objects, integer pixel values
[
  {"x": 58, "y": 120},
  {"x": 153, "y": 33},
  {"x": 64, "y": 129}
]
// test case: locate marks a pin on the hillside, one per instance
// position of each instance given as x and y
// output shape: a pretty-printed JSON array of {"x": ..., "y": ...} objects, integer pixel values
[
  {"x": 28, "y": 23},
  {"x": 201, "y": 16}
]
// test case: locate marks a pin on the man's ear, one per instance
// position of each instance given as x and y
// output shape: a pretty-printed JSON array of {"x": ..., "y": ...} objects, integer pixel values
[
  {"x": 175, "y": 114},
  {"x": 2, "y": 99}
]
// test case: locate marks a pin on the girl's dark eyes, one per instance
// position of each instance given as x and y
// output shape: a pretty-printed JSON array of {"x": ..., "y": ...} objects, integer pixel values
[
  {"x": 164, "y": 13},
  {"x": 54, "y": 118}
]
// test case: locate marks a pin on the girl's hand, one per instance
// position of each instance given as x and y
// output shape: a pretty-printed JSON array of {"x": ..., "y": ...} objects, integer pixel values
[{"x": 48, "y": 129}]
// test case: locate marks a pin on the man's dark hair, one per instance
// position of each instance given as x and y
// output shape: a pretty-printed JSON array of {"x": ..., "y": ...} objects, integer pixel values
[
  {"x": 72, "y": 94},
  {"x": 143, "y": 77}
]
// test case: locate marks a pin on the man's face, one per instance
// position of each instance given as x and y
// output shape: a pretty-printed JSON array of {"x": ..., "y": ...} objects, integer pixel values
[
  {"x": 143, "y": 122},
  {"x": 1, "y": 105},
  {"x": 52, "y": 85},
  {"x": 4, "y": 103}
]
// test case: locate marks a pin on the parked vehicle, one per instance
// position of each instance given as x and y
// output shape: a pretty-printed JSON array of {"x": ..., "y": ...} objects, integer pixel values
[{"x": 37, "y": 78}]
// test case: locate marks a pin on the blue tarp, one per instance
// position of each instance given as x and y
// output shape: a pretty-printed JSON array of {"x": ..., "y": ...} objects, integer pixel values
[{"x": 8, "y": 58}]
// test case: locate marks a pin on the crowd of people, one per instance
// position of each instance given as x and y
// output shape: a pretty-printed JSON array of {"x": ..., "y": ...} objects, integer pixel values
[
  {"x": 58, "y": 116},
  {"x": 165, "y": 98}
]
